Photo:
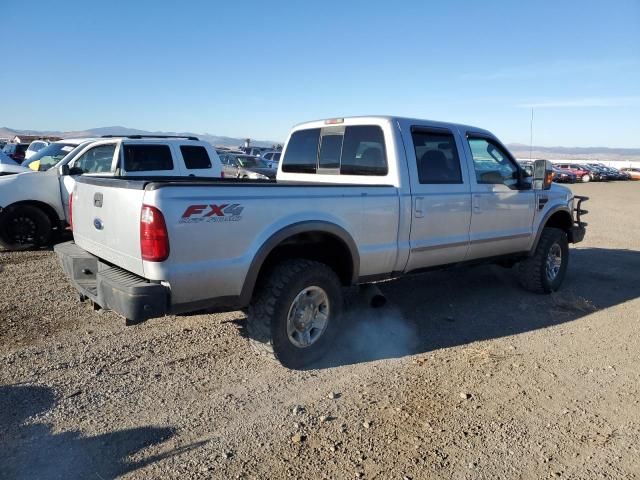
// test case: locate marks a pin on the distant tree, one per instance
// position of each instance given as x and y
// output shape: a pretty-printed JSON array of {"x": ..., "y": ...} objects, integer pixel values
[{"x": 276, "y": 146}]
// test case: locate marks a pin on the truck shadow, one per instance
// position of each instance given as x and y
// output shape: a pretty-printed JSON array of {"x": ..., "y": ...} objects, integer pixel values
[
  {"x": 30, "y": 450},
  {"x": 464, "y": 305}
]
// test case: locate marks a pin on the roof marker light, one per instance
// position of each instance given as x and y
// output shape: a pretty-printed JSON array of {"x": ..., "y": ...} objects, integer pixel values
[{"x": 334, "y": 121}]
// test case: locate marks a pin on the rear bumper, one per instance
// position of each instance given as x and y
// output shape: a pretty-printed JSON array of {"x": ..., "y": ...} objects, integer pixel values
[{"x": 112, "y": 288}]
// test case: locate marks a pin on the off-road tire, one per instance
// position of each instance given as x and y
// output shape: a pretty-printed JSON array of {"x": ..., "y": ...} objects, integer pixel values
[
  {"x": 43, "y": 227},
  {"x": 268, "y": 310},
  {"x": 532, "y": 271}
]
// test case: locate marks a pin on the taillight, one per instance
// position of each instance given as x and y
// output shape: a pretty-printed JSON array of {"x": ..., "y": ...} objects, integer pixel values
[
  {"x": 71, "y": 210},
  {"x": 222, "y": 174},
  {"x": 154, "y": 240}
]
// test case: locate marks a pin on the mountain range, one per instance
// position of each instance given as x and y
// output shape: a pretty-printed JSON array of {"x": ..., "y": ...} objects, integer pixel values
[
  {"x": 518, "y": 149},
  {"x": 6, "y": 132}
]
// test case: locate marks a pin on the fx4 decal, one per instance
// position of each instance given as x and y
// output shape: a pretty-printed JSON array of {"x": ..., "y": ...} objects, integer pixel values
[{"x": 226, "y": 212}]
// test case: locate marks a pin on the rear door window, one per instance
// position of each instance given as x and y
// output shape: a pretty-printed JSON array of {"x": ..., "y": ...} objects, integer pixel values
[
  {"x": 195, "y": 157},
  {"x": 436, "y": 156},
  {"x": 301, "y": 155},
  {"x": 147, "y": 158}
]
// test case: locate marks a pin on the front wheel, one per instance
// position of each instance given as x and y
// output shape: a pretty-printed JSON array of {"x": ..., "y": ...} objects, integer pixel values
[
  {"x": 586, "y": 178},
  {"x": 295, "y": 312},
  {"x": 24, "y": 227},
  {"x": 545, "y": 270}
]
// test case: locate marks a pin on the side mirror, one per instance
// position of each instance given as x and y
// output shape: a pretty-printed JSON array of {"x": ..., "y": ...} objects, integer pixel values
[
  {"x": 75, "y": 171},
  {"x": 542, "y": 174},
  {"x": 64, "y": 170}
]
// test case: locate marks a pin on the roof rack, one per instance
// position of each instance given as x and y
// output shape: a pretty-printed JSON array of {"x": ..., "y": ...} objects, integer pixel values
[{"x": 188, "y": 137}]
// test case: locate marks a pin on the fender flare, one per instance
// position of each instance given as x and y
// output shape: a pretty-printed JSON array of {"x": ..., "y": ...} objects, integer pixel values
[
  {"x": 294, "y": 229},
  {"x": 543, "y": 224}
]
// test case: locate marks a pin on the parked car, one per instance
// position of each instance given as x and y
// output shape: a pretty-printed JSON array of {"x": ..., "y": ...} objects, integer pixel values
[
  {"x": 16, "y": 151},
  {"x": 612, "y": 173},
  {"x": 634, "y": 173},
  {"x": 600, "y": 174},
  {"x": 34, "y": 147},
  {"x": 527, "y": 167},
  {"x": 53, "y": 153},
  {"x": 222, "y": 150},
  {"x": 272, "y": 159},
  {"x": 8, "y": 166},
  {"x": 357, "y": 200},
  {"x": 253, "y": 151},
  {"x": 246, "y": 167},
  {"x": 563, "y": 176},
  {"x": 582, "y": 174},
  {"x": 34, "y": 206}
]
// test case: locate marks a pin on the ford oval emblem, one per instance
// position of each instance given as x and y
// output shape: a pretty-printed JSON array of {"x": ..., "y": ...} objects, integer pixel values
[{"x": 98, "y": 224}]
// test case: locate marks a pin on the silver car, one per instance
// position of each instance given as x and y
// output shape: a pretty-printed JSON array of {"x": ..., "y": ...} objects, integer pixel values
[{"x": 246, "y": 167}]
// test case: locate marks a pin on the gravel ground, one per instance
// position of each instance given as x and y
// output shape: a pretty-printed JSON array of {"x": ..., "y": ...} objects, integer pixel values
[{"x": 462, "y": 375}]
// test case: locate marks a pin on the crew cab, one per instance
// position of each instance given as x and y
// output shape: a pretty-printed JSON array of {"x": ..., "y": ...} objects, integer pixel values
[
  {"x": 357, "y": 200},
  {"x": 34, "y": 205}
]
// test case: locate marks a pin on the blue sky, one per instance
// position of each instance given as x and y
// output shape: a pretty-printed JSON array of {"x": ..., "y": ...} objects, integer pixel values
[{"x": 249, "y": 68}]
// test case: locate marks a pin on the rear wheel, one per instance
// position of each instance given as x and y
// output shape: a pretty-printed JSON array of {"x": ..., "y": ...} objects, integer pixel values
[
  {"x": 295, "y": 312},
  {"x": 25, "y": 227},
  {"x": 545, "y": 270}
]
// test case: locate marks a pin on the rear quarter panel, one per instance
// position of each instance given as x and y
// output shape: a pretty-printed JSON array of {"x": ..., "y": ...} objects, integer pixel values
[{"x": 213, "y": 244}]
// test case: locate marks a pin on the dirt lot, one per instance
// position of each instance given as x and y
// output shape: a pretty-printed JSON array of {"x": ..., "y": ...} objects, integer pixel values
[{"x": 462, "y": 375}]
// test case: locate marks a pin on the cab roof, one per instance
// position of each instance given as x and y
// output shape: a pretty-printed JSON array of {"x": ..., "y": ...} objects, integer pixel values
[{"x": 359, "y": 120}]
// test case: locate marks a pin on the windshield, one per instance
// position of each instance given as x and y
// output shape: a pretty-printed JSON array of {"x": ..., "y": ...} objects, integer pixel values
[
  {"x": 250, "y": 162},
  {"x": 49, "y": 156}
]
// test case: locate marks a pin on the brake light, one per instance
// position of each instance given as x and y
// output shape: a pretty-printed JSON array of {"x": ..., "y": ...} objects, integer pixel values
[
  {"x": 154, "y": 239},
  {"x": 222, "y": 174},
  {"x": 71, "y": 211}
]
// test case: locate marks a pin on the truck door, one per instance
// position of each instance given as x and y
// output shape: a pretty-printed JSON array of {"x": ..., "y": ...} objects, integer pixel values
[
  {"x": 503, "y": 209},
  {"x": 441, "y": 198},
  {"x": 97, "y": 160}
]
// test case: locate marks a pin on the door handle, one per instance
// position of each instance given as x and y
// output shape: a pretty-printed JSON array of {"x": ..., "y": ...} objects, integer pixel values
[
  {"x": 419, "y": 212},
  {"x": 476, "y": 203}
]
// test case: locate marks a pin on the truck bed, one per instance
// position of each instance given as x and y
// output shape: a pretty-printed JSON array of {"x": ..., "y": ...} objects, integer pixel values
[{"x": 217, "y": 227}]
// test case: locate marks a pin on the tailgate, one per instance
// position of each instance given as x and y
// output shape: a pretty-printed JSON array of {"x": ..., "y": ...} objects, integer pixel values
[{"x": 106, "y": 220}]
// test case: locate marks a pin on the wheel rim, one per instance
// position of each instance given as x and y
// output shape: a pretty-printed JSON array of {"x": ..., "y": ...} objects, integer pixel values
[
  {"x": 308, "y": 317},
  {"x": 554, "y": 262},
  {"x": 22, "y": 230}
]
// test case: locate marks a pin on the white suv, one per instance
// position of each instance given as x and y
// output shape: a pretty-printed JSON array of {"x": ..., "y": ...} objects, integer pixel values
[{"x": 34, "y": 205}]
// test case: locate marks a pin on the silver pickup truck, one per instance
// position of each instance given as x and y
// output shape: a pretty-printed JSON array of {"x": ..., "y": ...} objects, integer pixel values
[{"x": 357, "y": 200}]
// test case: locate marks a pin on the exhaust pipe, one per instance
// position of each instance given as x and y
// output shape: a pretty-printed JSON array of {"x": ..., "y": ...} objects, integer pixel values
[{"x": 373, "y": 296}]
